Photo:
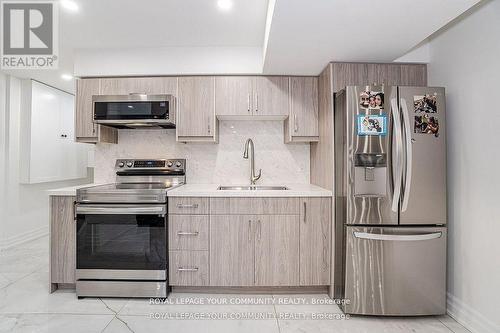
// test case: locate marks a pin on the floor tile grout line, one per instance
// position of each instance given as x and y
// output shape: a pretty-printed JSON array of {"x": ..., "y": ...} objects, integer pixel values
[
  {"x": 116, "y": 316},
  {"x": 109, "y": 322},
  {"x": 276, "y": 315},
  {"x": 463, "y": 327},
  {"x": 59, "y": 313}
]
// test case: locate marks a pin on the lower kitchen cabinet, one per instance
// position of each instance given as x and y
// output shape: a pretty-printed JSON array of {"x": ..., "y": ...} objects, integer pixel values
[
  {"x": 232, "y": 254},
  {"x": 277, "y": 250},
  {"x": 254, "y": 250},
  {"x": 315, "y": 241},
  {"x": 188, "y": 268},
  {"x": 62, "y": 241}
]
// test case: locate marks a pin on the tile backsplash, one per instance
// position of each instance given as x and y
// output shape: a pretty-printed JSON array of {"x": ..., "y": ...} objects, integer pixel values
[{"x": 221, "y": 163}]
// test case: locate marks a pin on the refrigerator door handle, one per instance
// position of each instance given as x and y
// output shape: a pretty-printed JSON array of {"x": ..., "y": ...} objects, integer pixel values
[
  {"x": 398, "y": 163},
  {"x": 404, "y": 238},
  {"x": 408, "y": 159}
]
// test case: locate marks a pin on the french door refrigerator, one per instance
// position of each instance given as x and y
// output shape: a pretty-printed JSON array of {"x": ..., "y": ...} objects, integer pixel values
[{"x": 390, "y": 200}]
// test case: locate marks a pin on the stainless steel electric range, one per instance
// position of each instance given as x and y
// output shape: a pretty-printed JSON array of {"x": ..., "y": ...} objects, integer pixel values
[{"x": 122, "y": 230}]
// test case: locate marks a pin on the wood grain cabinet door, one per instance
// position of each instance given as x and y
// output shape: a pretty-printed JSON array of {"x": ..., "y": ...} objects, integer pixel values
[
  {"x": 315, "y": 241},
  {"x": 231, "y": 250},
  {"x": 196, "y": 109},
  {"x": 85, "y": 129},
  {"x": 270, "y": 96},
  {"x": 276, "y": 250},
  {"x": 139, "y": 85},
  {"x": 233, "y": 95},
  {"x": 62, "y": 239},
  {"x": 304, "y": 108}
]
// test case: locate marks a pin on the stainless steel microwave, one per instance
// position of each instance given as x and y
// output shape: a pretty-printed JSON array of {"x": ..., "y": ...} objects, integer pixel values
[{"x": 134, "y": 110}]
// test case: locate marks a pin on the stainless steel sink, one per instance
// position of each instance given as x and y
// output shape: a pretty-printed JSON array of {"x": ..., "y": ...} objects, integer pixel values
[{"x": 252, "y": 188}]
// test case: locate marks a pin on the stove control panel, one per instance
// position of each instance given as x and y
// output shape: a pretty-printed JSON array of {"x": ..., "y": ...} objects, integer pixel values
[{"x": 173, "y": 164}]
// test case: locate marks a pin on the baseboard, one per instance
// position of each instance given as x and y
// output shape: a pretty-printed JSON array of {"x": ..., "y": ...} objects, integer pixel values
[
  {"x": 468, "y": 317},
  {"x": 23, "y": 238}
]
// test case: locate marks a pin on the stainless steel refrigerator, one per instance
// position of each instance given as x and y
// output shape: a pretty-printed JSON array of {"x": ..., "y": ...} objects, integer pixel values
[{"x": 390, "y": 200}]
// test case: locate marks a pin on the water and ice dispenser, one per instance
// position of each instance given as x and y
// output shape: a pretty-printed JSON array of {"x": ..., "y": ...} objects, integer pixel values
[{"x": 370, "y": 174}]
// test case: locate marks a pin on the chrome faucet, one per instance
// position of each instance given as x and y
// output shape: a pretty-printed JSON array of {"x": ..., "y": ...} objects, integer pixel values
[{"x": 253, "y": 177}]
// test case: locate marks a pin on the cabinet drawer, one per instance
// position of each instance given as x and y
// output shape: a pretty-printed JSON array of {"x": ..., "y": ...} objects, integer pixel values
[
  {"x": 188, "y": 232},
  {"x": 188, "y": 205},
  {"x": 188, "y": 268},
  {"x": 277, "y": 206}
]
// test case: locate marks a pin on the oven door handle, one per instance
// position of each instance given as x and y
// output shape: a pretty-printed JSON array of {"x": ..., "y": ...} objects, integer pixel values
[{"x": 121, "y": 209}]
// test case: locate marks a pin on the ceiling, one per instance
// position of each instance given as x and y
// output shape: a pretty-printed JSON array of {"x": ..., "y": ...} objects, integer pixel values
[
  {"x": 305, "y": 35},
  {"x": 275, "y": 36}
]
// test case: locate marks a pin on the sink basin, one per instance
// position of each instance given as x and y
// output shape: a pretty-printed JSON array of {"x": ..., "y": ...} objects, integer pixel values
[{"x": 252, "y": 188}]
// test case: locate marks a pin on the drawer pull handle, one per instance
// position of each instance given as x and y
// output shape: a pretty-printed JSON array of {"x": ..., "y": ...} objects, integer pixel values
[
  {"x": 182, "y": 269},
  {"x": 187, "y": 206},
  {"x": 185, "y": 233}
]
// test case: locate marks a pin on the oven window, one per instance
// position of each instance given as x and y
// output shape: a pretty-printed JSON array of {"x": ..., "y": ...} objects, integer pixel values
[
  {"x": 130, "y": 110},
  {"x": 136, "y": 242}
]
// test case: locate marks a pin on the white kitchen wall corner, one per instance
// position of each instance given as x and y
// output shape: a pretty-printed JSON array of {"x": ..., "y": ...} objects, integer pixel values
[{"x": 48, "y": 151}]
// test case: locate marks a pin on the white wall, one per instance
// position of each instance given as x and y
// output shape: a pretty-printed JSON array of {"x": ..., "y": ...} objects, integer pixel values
[
  {"x": 168, "y": 61},
  {"x": 24, "y": 208},
  {"x": 465, "y": 59},
  {"x": 221, "y": 163}
]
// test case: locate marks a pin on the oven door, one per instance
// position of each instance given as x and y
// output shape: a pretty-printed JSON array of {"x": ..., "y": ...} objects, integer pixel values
[{"x": 121, "y": 242}]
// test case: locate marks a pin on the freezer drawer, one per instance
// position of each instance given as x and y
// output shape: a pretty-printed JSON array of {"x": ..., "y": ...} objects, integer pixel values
[{"x": 395, "y": 271}]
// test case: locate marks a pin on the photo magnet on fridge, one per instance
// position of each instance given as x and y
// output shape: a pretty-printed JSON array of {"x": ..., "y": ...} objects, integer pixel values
[
  {"x": 425, "y": 104},
  {"x": 371, "y": 100},
  {"x": 375, "y": 124},
  {"x": 427, "y": 124}
]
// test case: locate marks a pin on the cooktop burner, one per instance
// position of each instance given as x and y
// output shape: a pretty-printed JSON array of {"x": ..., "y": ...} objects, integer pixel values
[{"x": 138, "y": 181}]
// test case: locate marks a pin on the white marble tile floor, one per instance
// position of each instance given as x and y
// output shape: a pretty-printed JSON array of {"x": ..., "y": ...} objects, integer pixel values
[{"x": 27, "y": 306}]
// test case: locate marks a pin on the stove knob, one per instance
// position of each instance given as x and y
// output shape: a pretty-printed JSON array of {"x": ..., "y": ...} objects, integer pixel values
[
  {"x": 169, "y": 164},
  {"x": 121, "y": 164},
  {"x": 129, "y": 164},
  {"x": 178, "y": 164}
]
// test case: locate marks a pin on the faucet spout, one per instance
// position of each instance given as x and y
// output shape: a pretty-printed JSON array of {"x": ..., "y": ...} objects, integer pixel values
[{"x": 250, "y": 146}]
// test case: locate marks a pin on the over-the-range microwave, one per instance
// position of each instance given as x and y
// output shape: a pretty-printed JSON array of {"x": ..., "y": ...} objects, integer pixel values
[{"x": 134, "y": 110}]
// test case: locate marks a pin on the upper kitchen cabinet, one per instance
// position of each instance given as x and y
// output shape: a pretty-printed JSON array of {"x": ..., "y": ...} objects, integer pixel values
[
  {"x": 196, "y": 120},
  {"x": 413, "y": 75},
  {"x": 251, "y": 97},
  {"x": 271, "y": 96},
  {"x": 233, "y": 96},
  {"x": 139, "y": 85},
  {"x": 302, "y": 123},
  {"x": 85, "y": 128}
]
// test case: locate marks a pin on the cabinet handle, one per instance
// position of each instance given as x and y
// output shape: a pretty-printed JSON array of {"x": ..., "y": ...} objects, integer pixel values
[
  {"x": 248, "y": 102},
  {"x": 260, "y": 229},
  {"x": 295, "y": 124},
  {"x": 208, "y": 121},
  {"x": 182, "y": 269},
  {"x": 137, "y": 93},
  {"x": 185, "y": 233},
  {"x": 305, "y": 212},
  {"x": 187, "y": 206},
  {"x": 249, "y": 230},
  {"x": 256, "y": 102}
]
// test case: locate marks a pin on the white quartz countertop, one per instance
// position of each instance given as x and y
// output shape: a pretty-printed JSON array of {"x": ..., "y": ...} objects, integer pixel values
[
  {"x": 210, "y": 190},
  {"x": 68, "y": 191}
]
